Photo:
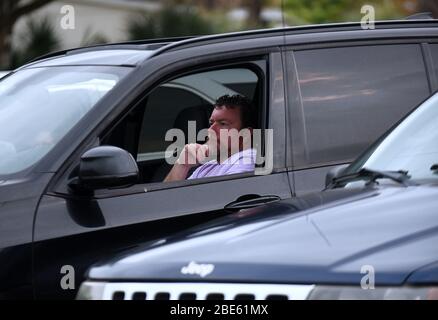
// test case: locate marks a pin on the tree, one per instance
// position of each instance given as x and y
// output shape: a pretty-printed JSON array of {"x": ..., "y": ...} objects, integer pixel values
[
  {"x": 321, "y": 11},
  {"x": 169, "y": 22},
  {"x": 327, "y": 11},
  {"x": 38, "y": 38},
  {"x": 254, "y": 8},
  {"x": 10, "y": 12},
  {"x": 428, "y": 6}
]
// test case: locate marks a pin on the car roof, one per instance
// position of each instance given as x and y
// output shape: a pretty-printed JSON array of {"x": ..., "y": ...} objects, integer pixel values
[
  {"x": 134, "y": 52},
  {"x": 110, "y": 56}
]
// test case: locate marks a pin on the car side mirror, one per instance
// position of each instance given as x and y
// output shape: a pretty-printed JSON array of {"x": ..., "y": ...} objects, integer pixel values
[
  {"x": 106, "y": 167},
  {"x": 334, "y": 172}
]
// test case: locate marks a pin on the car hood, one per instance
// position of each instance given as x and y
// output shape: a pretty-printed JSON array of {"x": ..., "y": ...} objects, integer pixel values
[{"x": 326, "y": 237}]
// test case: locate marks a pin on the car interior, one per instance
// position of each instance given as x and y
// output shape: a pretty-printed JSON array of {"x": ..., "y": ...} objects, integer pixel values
[{"x": 172, "y": 105}]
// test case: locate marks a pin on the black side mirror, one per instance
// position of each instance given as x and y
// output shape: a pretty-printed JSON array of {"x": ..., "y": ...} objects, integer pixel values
[
  {"x": 106, "y": 167},
  {"x": 334, "y": 172}
]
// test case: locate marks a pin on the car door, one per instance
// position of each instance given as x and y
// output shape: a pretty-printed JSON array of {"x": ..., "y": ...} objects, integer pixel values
[{"x": 74, "y": 230}]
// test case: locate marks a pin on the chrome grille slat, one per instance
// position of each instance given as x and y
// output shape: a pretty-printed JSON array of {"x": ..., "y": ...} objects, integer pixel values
[{"x": 202, "y": 290}]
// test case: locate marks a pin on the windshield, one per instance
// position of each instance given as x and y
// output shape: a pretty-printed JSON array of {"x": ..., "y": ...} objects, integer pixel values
[
  {"x": 39, "y": 106},
  {"x": 412, "y": 146}
]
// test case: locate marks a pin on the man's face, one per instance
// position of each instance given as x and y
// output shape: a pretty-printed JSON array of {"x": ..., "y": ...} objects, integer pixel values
[{"x": 224, "y": 118}]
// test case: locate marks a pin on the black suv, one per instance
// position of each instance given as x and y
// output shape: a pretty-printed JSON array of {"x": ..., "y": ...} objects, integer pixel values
[
  {"x": 372, "y": 234},
  {"x": 82, "y": 133}
]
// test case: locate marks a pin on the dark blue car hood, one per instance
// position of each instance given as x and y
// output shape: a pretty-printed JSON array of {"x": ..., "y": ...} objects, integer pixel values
[{"x": 320, "y": 238}]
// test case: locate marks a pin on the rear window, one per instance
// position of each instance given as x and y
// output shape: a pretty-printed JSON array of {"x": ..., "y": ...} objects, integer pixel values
[{"x": 352, "y": 95}]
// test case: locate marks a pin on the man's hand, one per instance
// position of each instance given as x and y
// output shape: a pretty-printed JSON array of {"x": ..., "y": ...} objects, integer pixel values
[{"x": 191, "y": 155}]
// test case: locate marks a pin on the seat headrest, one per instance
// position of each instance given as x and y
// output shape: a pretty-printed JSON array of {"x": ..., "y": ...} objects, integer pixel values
[{"x": 199, "y": 114}]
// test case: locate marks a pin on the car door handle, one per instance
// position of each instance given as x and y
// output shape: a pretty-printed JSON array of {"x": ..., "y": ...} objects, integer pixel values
[{"x": 250, "y": 201}]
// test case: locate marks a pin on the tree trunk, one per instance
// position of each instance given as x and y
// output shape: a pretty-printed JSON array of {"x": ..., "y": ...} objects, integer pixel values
[
  {"x": 10, "y": 11},
  {"x": 255, "y": 9},
  {"x": 428, "y": 6},
  {"x": 6, "y": 8},
  {"x": 5, "y": 49}
]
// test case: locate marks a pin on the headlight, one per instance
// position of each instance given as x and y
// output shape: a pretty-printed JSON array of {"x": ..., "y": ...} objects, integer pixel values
[
  {"x": 91, "y": 291},
  {"x": 379, "y": 293}
]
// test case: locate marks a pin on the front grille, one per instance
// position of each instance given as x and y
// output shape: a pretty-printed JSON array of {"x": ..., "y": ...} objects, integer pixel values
[{"x": 204, "y": 291}]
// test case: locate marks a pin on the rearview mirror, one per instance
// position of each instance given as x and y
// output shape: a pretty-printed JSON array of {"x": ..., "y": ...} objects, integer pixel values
[{"x": 107, "y": 167}]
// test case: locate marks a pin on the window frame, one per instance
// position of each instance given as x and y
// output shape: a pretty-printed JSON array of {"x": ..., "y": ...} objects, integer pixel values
[
  {"x": 248, "y": 66},
  {"x": 431, "y": 63}
]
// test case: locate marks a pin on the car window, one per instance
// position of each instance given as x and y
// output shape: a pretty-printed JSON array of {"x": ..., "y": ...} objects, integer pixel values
[
  {"x": 192, "y": 97},
  {"x": 162, "y": 107},
  {"x": 352, "y": 95},
  {"x": 411, "y": 147},
  {"x": 40, "y": 105},
  {"x": 172, "y": 105}
]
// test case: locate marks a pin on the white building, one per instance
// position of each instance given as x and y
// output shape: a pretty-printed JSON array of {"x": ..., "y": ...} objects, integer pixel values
[{"x": 106, "y": 18}]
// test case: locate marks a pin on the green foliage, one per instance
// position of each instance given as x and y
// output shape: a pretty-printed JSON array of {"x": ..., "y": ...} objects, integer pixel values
[
  {"x": 318, "y": 11},
  {"x": 326, "y": 11},
  {"x": 170, "y": 22},
  {"x": 38, "y": 38},
  {"x": 90, "y": 38}
]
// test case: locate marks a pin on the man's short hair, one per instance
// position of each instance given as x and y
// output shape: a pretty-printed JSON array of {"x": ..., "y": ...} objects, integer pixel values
[{"x": 244, "y": 104}]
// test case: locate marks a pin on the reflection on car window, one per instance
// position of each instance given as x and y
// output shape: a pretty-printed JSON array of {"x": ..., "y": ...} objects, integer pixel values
[
  {"x": 39, "y": 106},
  {"x": 351, "y": 95},
  {"x": 411, "y": 147}
]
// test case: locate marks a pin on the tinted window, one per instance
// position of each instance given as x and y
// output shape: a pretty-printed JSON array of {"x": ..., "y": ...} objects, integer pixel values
[
  {"x": 352, "y": 95},
  {"x": 434, "y": 51}
]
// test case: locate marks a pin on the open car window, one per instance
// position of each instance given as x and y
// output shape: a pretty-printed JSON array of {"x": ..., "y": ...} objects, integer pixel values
[{"x": 172, "y": 105}]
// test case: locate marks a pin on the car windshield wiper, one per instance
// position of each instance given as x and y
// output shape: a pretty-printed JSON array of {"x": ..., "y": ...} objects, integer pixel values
[{"x": 400, "y": 176}]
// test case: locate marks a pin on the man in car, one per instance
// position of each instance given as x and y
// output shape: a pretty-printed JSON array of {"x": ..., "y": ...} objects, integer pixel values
[{"x": 228, "y": 145}]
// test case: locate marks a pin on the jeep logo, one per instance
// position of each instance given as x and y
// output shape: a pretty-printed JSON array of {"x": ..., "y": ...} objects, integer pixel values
[{"x": 201, "y": 270}]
